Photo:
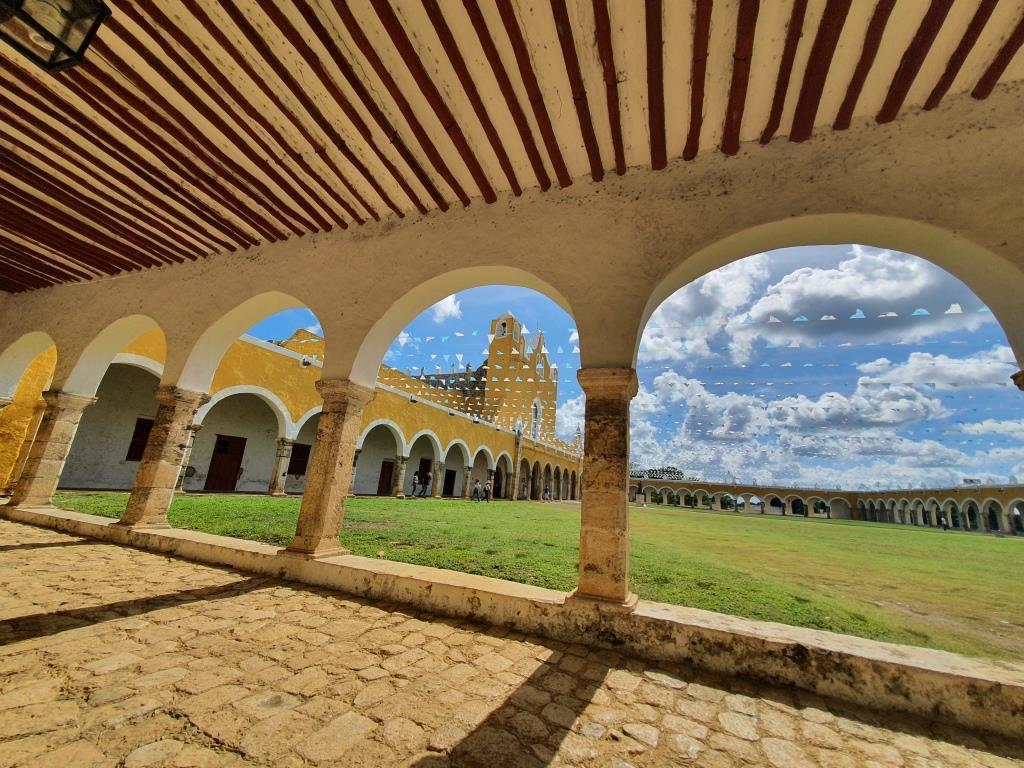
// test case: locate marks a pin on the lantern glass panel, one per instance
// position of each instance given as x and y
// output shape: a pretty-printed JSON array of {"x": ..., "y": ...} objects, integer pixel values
[{"x": 53, "y": 33}]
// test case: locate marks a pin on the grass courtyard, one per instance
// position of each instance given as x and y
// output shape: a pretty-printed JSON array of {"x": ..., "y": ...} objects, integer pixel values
[{"x": 953, "y": 591}]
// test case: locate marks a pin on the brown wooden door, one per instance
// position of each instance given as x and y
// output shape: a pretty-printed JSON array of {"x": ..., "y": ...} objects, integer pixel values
[
  {"x": 387, "y": 469},
  {"x": 225, "y": 463}
]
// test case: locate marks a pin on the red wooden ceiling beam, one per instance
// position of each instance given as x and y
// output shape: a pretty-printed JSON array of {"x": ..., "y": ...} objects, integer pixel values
[
  {"x": 228, "y": 120},
  {"x": 260, "y": 82},
  {"x": 389, "y": 19},
  {"x": 606, "y": 52},
  {"x": 533, "y": 92},
  {"x": 999, "y": 64},
  {"x": 315, "y": 21},
  {"x": 963, "y": 48},
  {"x": 299, "y": 92},
  {"x": 655, "y": 83},
  {"x": 579, "y": 91},
  {"x": 912, "y": 59},
  {"x": 508, "y": 92},
  {"x": 451, "y": 48},
  {"x": 794, "y": 31},
  {"x": 872, "y": 40},
  {"x": 698, "y": 75},
  {"x": 818, "y": 64},
  {"x": 746, "y": 25},
  {"x": 43, "y": 261},
  {"x": 107, "y": 142}
]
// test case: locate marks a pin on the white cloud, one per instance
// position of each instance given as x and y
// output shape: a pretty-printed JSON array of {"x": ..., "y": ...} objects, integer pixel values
[
  {"x": 315, "y": 328},
  {"x": 570, "y": 417},
  {"x": 448, "y": 308},
  {"x": 872, "y": 284},
  {"x": 1010, "y": 428},
  {"x": 680, "y": 329},
  {"x": 989, "y": 368}
]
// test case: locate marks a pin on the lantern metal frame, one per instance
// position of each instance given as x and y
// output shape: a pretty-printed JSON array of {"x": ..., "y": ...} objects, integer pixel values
[{"x": 68, "y": 56}]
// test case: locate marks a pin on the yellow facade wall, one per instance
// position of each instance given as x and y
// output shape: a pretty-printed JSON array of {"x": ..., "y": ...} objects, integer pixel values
[{"x": 17, "y": 417}]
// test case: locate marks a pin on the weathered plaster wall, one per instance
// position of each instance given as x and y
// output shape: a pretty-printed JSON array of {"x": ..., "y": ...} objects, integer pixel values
[
  {"x": 306, "y": 436},
  {"x": 97, "y": 457},
  {"x": 239, "y": 416},
  {"x": 378, "y": 446},
  {"x": 16, "y": 418}
]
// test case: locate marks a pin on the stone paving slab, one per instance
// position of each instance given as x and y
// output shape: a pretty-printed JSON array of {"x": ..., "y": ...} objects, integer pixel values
[{"x": 111, "y": 656}]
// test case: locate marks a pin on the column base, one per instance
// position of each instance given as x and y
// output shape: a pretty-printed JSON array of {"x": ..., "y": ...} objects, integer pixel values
[
  {"x": 399, "y": 495},
  {"x": 313, "y": 550},
  {"x": 277, "y": 493},
  {"x": 603, "y": 603}
]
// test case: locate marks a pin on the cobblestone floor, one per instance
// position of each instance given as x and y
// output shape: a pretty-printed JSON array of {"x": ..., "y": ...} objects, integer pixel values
[{"x": 111, "y": 656}]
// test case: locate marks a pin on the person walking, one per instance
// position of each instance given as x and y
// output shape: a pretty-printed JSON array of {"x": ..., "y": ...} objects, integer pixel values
[
  {"x": 547, "y": 493},
  {"x": 487, "y": 492},
  {"x": 476, "y": 490},
  {"x": 415, "y": 482},
  {"x": 424, "y": 485},
  {"x": 943, "y": 523}
]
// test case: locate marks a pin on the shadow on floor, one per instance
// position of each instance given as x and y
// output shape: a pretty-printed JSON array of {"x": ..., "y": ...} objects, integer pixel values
[
  {"x": 513, "y": 735},
  {"x": 44, "y": 545},
  {"x": 53, "y": 622}
]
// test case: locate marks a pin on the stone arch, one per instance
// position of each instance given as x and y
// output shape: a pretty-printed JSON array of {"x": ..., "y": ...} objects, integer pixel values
[
  {"x": 992, "y": 515},
  {"x": 797, "y": 504},
  {"x": 839, "y": 508},
  {"x": 140, "y": 361},
  {"x": 482, "y": 465},
  {"x": 502, "y": 488},
  {"x": 392, "y": 427},
  {"x": 556, "y": 487},
  {"x": 536, "y": 481},
  {"x": 994, "y": 279},
  {"x": 399, "y": 313},
  {"x": 573, "y": 490},
  {"x": 453, "y": 473},
  {"x": 17, "y": 357},
  {"x": 525, "y": 480},
  {"x": 301, "y": 421},
  {"x": 244, "y": 415},
  {"x": 285, "y": 426},
  {"x": 84, "y": 374},
  {"x": 813, "y": 507},
  {"x": 770, "y": 504},
  {"x": 488, "y": 455},
  {"x": 952, "y": 511},
  {"x": 1015, "y": 515},
  {"x": 667, "y": 494},
  {"x": 199, "y": 366},
  {"x": 547, "y": 481},
  {"x": 424, "y": 452},
  {"x": 972, "y": 515},
  {"x": 379, "y": 445}
]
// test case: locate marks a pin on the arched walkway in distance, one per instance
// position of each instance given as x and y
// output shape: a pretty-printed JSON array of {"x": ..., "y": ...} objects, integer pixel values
[
  {"x": 76, "y": 380},
  {"x": 536, "y": 482},
  {"x": 502, "y": 485},
  {"x": 483, "y": 465},
  {"x": 454, "y": 478},
  {"x": 298, "y": 465},
  {"x": 424, "y": 457},
  {"x": 525, "y": 481},
  {"x": 380, "y": 447},
  {"x": 236, "y": 449},
  {"x": 573, "y": 488}
]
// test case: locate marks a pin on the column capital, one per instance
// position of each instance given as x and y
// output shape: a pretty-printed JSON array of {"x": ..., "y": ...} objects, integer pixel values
[
  {"x": 608, "y": 383},
  {"x": 339, "y": 394},
  {"x": 169, "y": 394},
  {"x": 285, "y": 442},
  {"x": 67, "y": 400}
]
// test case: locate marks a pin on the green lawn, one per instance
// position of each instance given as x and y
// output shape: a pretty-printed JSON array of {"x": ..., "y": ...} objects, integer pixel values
[{"x": 952, "y": 591}]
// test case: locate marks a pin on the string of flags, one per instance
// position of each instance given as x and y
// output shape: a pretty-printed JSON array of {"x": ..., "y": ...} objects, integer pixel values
[{"x": 858, "y": 314}]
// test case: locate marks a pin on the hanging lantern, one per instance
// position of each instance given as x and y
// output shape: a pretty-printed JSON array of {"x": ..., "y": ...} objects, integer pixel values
[{"x": 52, "y": 33}]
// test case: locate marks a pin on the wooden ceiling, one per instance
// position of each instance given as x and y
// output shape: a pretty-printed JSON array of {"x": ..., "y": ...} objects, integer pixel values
[{"x": 199, "y": 127}]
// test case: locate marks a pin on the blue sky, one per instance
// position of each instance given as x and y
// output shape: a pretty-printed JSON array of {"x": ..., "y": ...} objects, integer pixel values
[{"x": 745, "y": 374}]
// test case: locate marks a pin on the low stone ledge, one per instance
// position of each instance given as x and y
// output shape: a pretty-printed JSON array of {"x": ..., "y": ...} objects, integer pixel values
[{"x": 971, "y": 693}]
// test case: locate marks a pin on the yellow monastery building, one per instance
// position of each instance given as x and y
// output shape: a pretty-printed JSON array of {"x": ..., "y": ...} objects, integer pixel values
[{"x": 495, "y": 422}]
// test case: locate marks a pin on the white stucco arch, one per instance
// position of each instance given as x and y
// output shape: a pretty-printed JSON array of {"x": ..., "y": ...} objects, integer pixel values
[
  {"x": 424, "y": 295},
  {"x": 140, "y": 361},
  {"x": 301, "y": 421},
  {"x": 488, "y": 454},
  {"x": 285, "y": 426},
  {"x": 392, "y": 427},
  {"x": 432, "y": 438},
  {"x": 204, "y": 357},
  {"x": 508, "y": 458},
  {"x": 17, "y": 357},
  {"x": 85, "y": 373},
  {"x": 994, "y": 279},
  {"x": 467, "y": 454}
]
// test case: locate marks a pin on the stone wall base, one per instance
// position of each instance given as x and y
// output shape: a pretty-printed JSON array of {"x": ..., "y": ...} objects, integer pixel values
[{"x": 971, "y": 693}]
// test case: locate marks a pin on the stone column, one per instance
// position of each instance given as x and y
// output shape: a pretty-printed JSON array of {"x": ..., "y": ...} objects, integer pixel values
[
  {"x": 435, "y": 481},
  {"x": 467, "y": 481},
  {"x": 716, "y": 502},
  {"x": 604, "y": 523},
  {"x": 50, "y": 448},
  {"x": 281, "y": 462},
  {"x": 352, "y": 481},
  {"x": 329, "y": 474},
  {"x": 513, "y": 485},
  {"x": 26, "y": 446},
  {"x": 193, "y": 430},
  {"x": 162, "y": 458},
  {"x": 398, "y": 484}
]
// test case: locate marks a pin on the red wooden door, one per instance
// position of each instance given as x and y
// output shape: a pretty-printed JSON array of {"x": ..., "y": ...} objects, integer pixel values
[{"x": 225, "y": 463}]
